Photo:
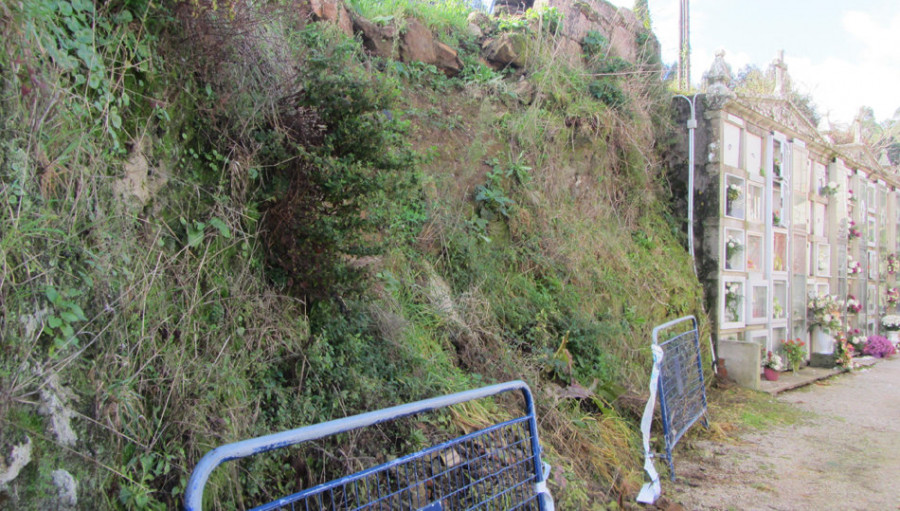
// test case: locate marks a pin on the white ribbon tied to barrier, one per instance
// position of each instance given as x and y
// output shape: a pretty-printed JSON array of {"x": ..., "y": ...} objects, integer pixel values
[
  {"x": 651, "y": 490},
  {"x": 543, "y": 492}
]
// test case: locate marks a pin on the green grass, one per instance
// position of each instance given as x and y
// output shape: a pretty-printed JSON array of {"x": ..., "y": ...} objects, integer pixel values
[
  {"x": 441, "y": 16},
  {"x": 742, "y": 409}
]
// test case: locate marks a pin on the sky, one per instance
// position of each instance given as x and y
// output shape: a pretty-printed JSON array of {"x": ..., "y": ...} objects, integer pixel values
[{"x": 846, "y": 54}]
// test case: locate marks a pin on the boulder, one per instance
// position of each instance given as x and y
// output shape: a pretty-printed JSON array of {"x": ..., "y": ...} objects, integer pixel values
[
  {"x": 417, "y": 43},
  {"x": 334, "y": 12},
  {"x": 508, "y": 49},
  {"x": 481, "y": 21},
  {"x": 377, "y": 39},
  {"x": 447, "y": 59}
]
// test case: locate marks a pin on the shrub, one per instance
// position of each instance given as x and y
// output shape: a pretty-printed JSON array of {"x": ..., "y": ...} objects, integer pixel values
[
  {"x": 548, "y": 17},
  {"x": 594, "y": 43},
  {"x": 608, "y": 91},
  {"x": 339, "y": 167},
  {"x": 879, "y": 347}
]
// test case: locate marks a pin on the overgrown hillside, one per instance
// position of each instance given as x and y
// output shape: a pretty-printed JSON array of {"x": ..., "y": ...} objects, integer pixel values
[{"x": 225, "y": 220}]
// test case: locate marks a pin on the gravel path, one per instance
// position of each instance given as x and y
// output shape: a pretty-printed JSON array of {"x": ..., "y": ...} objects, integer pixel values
[{"x": 845, "y": 457}]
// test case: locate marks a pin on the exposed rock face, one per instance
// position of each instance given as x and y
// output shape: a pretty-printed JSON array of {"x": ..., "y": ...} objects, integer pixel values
[
  {"x": 333, "y": 11},
  {"x": 53, "y": 403},
  {"x": 18, "y": 458},
  {"x": 66, "y": 489},
  {"x": 619, "y": 25},
  {"x": 141, "y": 183}
]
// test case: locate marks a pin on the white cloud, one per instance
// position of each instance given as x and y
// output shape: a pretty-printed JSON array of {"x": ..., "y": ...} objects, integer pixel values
[{"x": 840, "y": 87}]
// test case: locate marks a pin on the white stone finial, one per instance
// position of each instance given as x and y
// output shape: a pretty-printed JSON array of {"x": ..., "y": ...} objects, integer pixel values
[
  {"x": 719, "y": 77},
  {"x": 781, "y": 82}
]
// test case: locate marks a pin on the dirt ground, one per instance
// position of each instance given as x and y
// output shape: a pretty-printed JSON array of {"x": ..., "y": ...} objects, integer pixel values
[{"x": 844, "y": 456}]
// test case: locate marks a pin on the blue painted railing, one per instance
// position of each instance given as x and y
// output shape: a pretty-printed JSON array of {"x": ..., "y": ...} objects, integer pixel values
[
  {"x": 496, "y": 468},
  {"x": 682, "y": 393}
]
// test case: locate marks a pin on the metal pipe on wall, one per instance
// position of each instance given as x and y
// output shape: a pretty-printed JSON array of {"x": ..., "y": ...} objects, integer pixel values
[{"x": 691, "y": 126}]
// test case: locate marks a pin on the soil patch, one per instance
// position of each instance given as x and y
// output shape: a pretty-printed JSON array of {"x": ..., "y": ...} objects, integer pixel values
[{"x": 844, "y": 456}]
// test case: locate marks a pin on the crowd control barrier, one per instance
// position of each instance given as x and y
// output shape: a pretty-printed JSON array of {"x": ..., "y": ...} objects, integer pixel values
[
  {"x": 677, "y": 377},
  {"x": 496, "y": 468}
]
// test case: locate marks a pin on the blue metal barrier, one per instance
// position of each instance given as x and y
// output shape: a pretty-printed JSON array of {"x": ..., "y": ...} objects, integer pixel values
[
  {"x": 496, "y": 468},
  {"x": 682, "y": 393}
]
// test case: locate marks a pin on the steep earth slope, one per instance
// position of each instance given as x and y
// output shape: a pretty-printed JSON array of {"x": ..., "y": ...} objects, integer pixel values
[{"x": 224, "y": 220}]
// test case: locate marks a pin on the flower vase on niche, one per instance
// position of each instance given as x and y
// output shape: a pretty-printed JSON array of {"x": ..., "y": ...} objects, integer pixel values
[
  {"x": 891, "y": 324},
  {"x": 772, "y": 366},
  {"x": 733, "y": 249},
  {"x": 822, "y": 341},
  {"x": 824, "y": 320}
]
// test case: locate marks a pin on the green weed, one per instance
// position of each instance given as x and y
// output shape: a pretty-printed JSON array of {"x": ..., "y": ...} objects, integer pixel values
[{"x": 442, "y": 16}]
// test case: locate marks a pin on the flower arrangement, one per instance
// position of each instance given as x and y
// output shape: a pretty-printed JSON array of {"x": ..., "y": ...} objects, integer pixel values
[
  {"x": 733, "y": 301},
  {"x": 857, "y": 339},
  {"x": 777, "y": 309},
  {"x": 825, "y": 312},
  {"x": 879, "y": 347},
  {"x": 853, "y": 267},
  {"x": 733, "y": 192},
  {"x": 851, "y": 196},
  {"x": 853, "y": 305},
  {"x": 733, "y": 247},
  {"x": 829, "y": 189},
  {"x": 853, "y": 232},
  {"x": 892, "y": 296},
  {"x": 776, "y": 219},
  {"x": 843, "y": 351},
  {"x": 891, "y": 321},
  {"x": 795, "y": 351},
  {"x": 893, "y": 264},
  {"x": 774, "y": 362}
]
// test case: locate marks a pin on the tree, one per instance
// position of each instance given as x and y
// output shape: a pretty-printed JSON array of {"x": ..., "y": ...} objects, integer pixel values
[
  {"x": 753, "y": 80},
  {"x": 642, "y": 11}
]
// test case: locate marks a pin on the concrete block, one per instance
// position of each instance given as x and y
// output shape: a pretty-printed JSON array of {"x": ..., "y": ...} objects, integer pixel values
[{"x": 742, "y": 362}]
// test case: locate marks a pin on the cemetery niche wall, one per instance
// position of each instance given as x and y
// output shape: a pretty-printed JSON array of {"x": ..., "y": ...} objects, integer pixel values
[{"x": 796, "y": 236}]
